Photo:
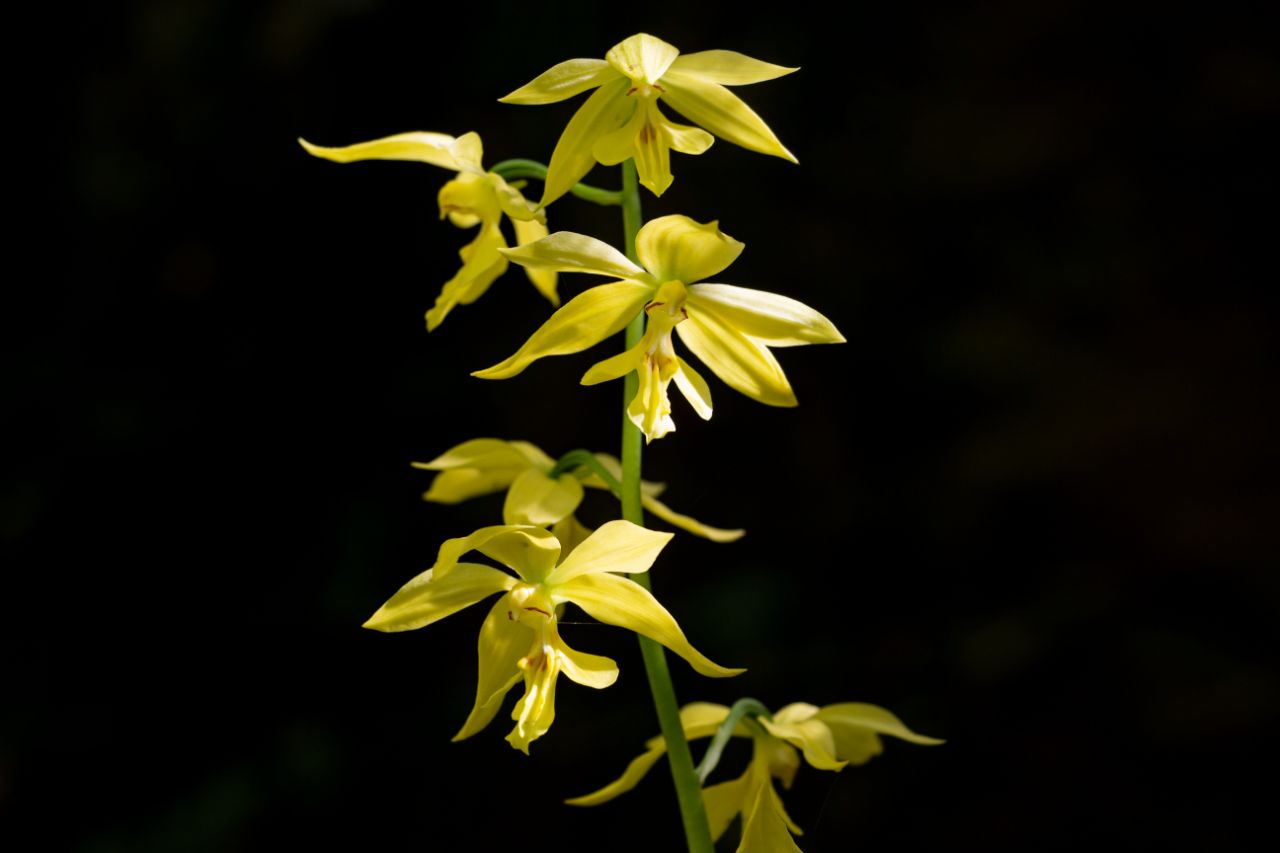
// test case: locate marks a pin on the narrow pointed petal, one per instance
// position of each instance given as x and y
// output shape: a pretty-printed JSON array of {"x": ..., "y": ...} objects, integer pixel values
[
  {"x": 563, "y": 81},
  {"x": 617, "y": 546},
  {"x": 615, "y": 367},
  {"x": 848, "y": 716},
  {"x": 723, "y": 802},
  {"x": 688, "y": 523},
  {"x": 588, "y": 670},
  {"x": 777, "y": 320},
  {"x": 482, "y": 264},
  {"x": 477, "y": 467},
  {"x": 743, "y": 364},
  {"x": 502, "y": 644},
  {"x": 583, "y": 322},
  {"x": 694, "y": 388},
  {"x": 451, "y": 487},
  {"x": 618, "y": 601},
  {"x": 418, "y": 146},
  {"x": 678, "y": 248},
  {"x": 606, "y": 110},
  {"x": 653, "y": 160},
  {"x": 543, "y": 279},
  {"x": 534, "y": 455},
  {"x": 535, "y": 498},
  {"x": 426, "y": 599},
  {"x": 565, "y": 251},
  {"x": 764, "y": 829},
  {"x": 728, "y": 67},
  {"x": 642, "y": 58},
  {"x": 812, "y": 737},
  {"x": 713, "y": 107},
  {"x": 630, "y": 777}
]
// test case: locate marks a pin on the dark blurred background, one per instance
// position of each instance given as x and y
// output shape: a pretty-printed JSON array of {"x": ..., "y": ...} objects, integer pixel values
[{"x": 1029, "y": 505}]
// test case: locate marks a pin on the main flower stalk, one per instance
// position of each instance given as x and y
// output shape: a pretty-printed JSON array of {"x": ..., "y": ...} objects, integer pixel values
[{"x": 685, "y": 777}]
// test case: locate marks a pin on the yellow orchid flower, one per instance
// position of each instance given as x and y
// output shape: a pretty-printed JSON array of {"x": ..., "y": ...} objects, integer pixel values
[
  {"x": 730, "y": 328},
  {"x": 474, "y": 197},
  {"x": 520, "y": 639},
  {"x": 622, "y": 120},
  {"x": 483, "y": 466},
  {"x": 829, "y": 737}
]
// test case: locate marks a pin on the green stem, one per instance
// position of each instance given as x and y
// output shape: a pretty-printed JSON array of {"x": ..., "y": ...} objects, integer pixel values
[
  {"x": 515, "y": 169},
  {"x": 585, "y": 459},
  {"x": 688, "y": 789}
]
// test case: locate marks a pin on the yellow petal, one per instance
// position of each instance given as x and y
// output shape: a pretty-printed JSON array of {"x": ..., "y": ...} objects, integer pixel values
[
  {"x": 712, "y": 106},
  {"x": 810, "y": 735},
  {"x": 765, "y": 826},
  {"x": 563, "y": 81},
  {"x": 570, "y": 533},
  {"x": 642, "y": 57},
  {"x": 427, "y": 599},
  {"x": 619, "y": 601},
  {"x": 512, "y": 201},
  {"x": 535, "y": 498},
  {"x": 536, "y": 710},
  {"x": 468, "y": 151},
  {"x": 534, "y": 455},
  {"x": 687, "y": 523},
  {"x": 418, "y": 146},
  {"x": 451, "y": 487},
  {"x": 528, "y": 551},
  {"x": 694, "y": 388},
  {"x": 565, "y": 251},
  {"x": 728, "y": 67},
  {"x": 482, "y": 264},
  {"x": 650, "y": 408},
  {"x": 777, "y": 320},
  {"x": 544, "y": 280},
  {"x": 652, "y": 154},
  {"x": 477, "y": 453},
  {"x": 630, "y": 777},
  {"x": 680, "y": 249},
  {"x": 723, "y": 802},
  {"x": 617, "y": 546},
  {"x": 616, "y": 366},
  {"x": 502, "y": 643},
  {"x": 588, "y": 670},
  {"x": 743, "y": 364},
  {"x": 584, "y": 321},
  {"x": 855, "y": 726},
  {"x": 606, "y": 110}
]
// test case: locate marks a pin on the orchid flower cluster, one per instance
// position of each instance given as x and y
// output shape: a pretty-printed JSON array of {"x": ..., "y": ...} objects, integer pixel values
[{"x": 657, "y": 284}]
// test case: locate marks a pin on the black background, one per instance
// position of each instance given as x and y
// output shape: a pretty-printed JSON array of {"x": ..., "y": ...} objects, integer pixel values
[{"x": 1029, "y": 505}]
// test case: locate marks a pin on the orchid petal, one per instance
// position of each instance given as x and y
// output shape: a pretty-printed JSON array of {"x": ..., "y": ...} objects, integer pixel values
[
  {"x": 855, "y": 726},
  {"x": 724, "y": 801},
  {"x": 617, "y": 546},
  {"x": 562, "y": 81},
  {"x": 427, "y": 599},
  {"x": 743, "y": 364},
  {"x": 776, "y": 320},
  {"x": 606, "y": 110},
  {"x": 544, "y": 280},
  {"x": 482, "y": 264},
  {"x": 618, "y": 601},
  {"x": 765, "y": 825},
  {"x": 565, "y": 251},
  {"x": 535, "y": 498},
  {"x": 584, "y": 321},
  {"x": 694, "y": 388},
  {"x": 630, "y": 777},
  {"x": 502, "y": 643},
  {"x": 712, "y": 106},
  {"x": 688, "y": 523},
  {"x": 418, "y": 146},
  {"x": 680, "y": 249},
  {"x": 642, "y": 57},
  {"x": 728, "y": 67}
]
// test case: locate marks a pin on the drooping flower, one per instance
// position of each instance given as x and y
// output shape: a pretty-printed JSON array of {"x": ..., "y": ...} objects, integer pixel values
[
  {"x": 829, "y": 737},
  {"x": 622, "y": 120},
  {"x": 474, "y": 197},
  {"x": 520, "y": 639},
  {"x": 483, "y": 466},
  {"x": 729, "y": 328}
]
